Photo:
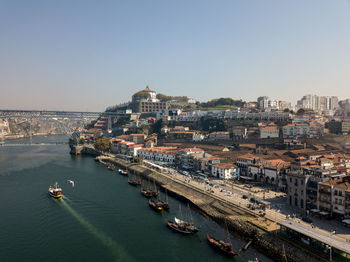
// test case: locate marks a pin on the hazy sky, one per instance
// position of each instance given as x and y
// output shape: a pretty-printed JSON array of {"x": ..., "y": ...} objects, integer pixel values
[{"x": 87, "y": 55}]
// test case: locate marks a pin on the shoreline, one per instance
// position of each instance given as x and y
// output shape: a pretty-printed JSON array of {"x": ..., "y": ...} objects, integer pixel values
[
  {"x": 17, "y": 137},
  {"x": 239, "y": 220}
]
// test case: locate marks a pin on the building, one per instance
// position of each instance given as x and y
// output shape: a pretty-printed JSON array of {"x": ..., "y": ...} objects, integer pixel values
[
  {"x": 197, "y": 137},
  {"x": 334, "y": 197},
  {"x": 271, "y": 172},
  {"x": 137, "y": 138},
  {"x": 222, "y": 135},
  {"x": 318, "y": 103},
  {"x": 224, "y": 170},
  {"x": 206, "y": 162},
  {"x": 345, "y": 127},
  {"x": 266, "y": 116},
  {"x": 161, "y": 154},
  {"x": 296, "y": 189},
  {"x": 145, "y": 101},
  {"x": 312, "y": 129},
  {"x": 268, "y": 131},
  {"x": 239, "y": 132},
  {"x": 186, "y": 158}
]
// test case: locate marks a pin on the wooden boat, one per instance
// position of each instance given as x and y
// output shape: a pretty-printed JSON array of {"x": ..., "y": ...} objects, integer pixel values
[
  {"x": 55, "y": 191},
  {"x": 123, "y": 172},
  {"x": 155, "y": 192},
  {"x": 146, "y": 192},
  {"x": 224, "y": 247},
  {"x": 154, "y": 206},
  {"x": 164, "y": 204},
  {"x": 191, "y": 226},
  {"x": 179, "y": 228},
  {"x": 134, "y": 181}
]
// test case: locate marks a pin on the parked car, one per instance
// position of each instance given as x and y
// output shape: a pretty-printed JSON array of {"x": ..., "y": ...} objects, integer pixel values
[{"x": 245, "y": 197}]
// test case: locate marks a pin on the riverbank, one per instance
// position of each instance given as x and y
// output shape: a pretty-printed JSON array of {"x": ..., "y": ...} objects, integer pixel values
[
  {"x": 240, "y": 221},
  {"x": 22, "y": 136}
]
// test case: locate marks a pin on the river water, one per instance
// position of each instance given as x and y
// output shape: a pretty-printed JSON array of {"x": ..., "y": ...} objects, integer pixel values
[{"x": 101, "y": 218}]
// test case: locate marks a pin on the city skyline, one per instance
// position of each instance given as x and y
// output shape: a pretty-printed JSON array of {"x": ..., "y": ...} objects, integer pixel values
[{"x": 87, "y": 56}]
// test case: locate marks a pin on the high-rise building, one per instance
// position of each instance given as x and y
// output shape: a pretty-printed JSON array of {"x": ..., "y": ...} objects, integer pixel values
[{"x": 318, "y": 103}]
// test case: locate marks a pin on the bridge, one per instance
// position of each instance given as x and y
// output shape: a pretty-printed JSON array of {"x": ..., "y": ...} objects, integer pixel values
[
  {"x": 3, "y": 144},
  {"x": 57, "y": 114}
]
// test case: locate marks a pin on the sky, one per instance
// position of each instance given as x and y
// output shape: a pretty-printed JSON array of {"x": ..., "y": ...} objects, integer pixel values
[{"x": 86, "y": 55}]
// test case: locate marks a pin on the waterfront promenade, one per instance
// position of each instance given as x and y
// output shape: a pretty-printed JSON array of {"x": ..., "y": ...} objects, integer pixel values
[{"x": 232, "y": 195}]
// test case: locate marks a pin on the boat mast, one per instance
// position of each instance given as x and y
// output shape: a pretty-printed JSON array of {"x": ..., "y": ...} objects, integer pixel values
[{"x": 228, "y": 239}]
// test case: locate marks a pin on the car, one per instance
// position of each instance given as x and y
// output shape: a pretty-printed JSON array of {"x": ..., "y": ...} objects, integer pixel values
[
  {"x": 245, "y": 197},
  {"x": 306, "y": 219}
]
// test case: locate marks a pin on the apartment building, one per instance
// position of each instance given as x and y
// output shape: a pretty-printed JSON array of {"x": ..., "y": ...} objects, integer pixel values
[
  {"x": 224, "y": 170},
  {"x": 334, "y": 197}
]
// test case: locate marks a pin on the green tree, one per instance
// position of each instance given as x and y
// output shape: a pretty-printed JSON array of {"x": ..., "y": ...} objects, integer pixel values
[
  {"x": 82, "y": 141},
  {"x": 334, "y": 126},
  {"x": 102, "y": 144}
]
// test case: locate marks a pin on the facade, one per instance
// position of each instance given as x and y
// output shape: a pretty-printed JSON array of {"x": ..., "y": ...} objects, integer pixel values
[
  {"x": 303, "y": 130},
  {"x": 137, "y": 138},
  {"x": 266, "y": 116},
  {"x": 334, "y": 196},
  {"x": 271, "y": 172},
  {"x": 162, "y": 154},
  {"x": 214, "y": 136},
  {"x": 206, "y": 162},
  {"x": 239, "y": 132},
  {"x": 345, "y": 127},
  {"x": 318, "y": 103},
  {"x": 146, "y": 101},
  {"x": 268, "y": 131},
  {"x": 224, "y": 170},
  {"x": 296, "y": 189}
]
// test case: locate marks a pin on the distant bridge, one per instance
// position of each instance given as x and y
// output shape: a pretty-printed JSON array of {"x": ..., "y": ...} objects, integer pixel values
[
  {"x": 58, "y": 114},
  {"x": 32, "y": 144}
]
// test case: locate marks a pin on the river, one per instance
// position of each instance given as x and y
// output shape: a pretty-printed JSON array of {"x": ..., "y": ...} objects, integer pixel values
[{"x": 101, "y": 218}]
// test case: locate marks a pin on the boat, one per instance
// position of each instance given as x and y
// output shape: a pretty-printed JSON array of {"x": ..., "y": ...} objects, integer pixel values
[
  {"x": 55, "y": 191},
  {"x": 123, "y": 172},
  {"x": 191, "y": 226},
  {"x": 155, "y": 191},
  {"x": 134, "y": 181},
  {"x": 224, "y": 247},
  {"x": 154, "y": 206},
  {"x": 146, "y": 192},
  {"x": 179, "y": 228},
  {"x": 164, "y": 204}
]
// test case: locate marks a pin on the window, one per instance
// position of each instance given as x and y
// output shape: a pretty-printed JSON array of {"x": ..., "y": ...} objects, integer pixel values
[{"x": 301, "y": 203}]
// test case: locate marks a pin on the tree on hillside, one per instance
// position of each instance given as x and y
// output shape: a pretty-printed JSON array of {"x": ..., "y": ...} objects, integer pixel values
[
  {"x": 156, "y": 127},
  {"x": 224, "y": 101},
  {"x": 334, "y": 127},
  {"x": 102, "y": 143},
  {"x": 212, "y": 124}
]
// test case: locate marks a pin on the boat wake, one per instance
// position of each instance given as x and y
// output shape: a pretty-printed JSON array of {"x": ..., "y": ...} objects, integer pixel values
[{"x": 118, "y": 252}]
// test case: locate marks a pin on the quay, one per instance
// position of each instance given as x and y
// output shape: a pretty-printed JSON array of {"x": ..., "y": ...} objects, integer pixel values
[{"x": 264, "y": 231}]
